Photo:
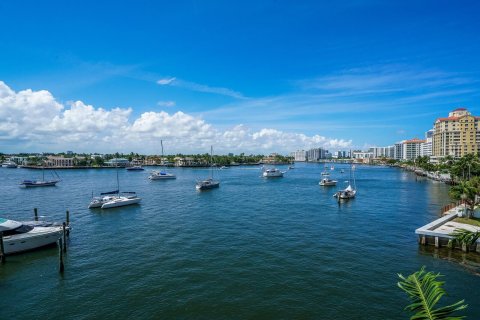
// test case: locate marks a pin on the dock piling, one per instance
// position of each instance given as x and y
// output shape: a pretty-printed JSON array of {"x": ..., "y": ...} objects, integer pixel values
[
  {"x": 437, "y": 242},
  {"x": 64, "y": 237},
  {"x": 67, "y": 219},
  {"x": 60, "y": 256},
  {"x": 2, "y": 249},
  {"x": 35, "y": 212}
]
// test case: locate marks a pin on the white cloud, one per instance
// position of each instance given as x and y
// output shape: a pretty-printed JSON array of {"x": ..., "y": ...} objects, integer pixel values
[
  {"x": 35, "y": 118},
  {"x": 166, "y": 81},
  {"x": 166, "y": 103},
  {"x": 200, "y": 87}
]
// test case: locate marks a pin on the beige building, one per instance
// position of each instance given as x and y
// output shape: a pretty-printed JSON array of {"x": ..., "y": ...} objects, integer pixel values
[{"x": 456, "y": 135}]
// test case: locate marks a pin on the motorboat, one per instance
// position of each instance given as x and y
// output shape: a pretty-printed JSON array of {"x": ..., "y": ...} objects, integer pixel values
[
  {"x": 347, "y": 193},
  {"x": 135, "y": 168},
  {"x": 291, "y": 167},
  {"x": 272, "y": 173},
  {"x": 332, "y": 168},
  {"x": 121, "y": 201},
  {"x": 326, "y": 182},
  {"x": 207, "y": 184},
  {"x": 19, "y": 237},
  {"x": 325, "y": 172},
  {"x": 223, "y": 167},
  {"x": 9, "y": 164},
  {"x": 161, "y": 175}
]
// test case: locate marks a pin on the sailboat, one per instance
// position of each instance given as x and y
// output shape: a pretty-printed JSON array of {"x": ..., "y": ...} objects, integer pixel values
[
  {"x": 41, "y": 183},
  {"x": 162, "y": 174},
  {"x": 209, "y": 183},
  {"x": 114, "y": 199},
  {"x": 349, "y": 192}
]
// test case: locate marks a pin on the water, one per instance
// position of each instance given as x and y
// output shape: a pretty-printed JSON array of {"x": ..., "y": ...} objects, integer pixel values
[{"x": 254, "y": 248}]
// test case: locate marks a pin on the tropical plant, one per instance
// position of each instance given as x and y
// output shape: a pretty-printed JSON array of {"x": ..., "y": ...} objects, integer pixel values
[
  {"x": 467, "y": 191},
  {"x": 465, "y": 238},
  {"x": 425, "y": 291}
]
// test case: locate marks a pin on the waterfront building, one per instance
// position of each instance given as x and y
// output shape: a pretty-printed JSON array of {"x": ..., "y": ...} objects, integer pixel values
[
  {"x": 411, "y": 148},
  {"x": 317, "y": 154},
  {"x": 342, "y": 154},
  {"x": 118, "y": 162},
  {"x": 299, "y": 155},
  {"x": 382, "y": 152},
  {"x": 398, "y": 151},
  {"x": 456, "y": 135},
  {"x": 426, "y": 147},
  {"x": 53, "y": 161}
]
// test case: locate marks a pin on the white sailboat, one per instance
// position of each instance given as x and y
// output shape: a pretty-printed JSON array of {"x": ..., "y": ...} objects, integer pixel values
[
  {"x": 349, "y": 192},
  {"x": 209, "y": 183},
  {"x": 19, "y": 237},
  {"x": 114, "y": 199},
  {"x": 162, "y": 174}
]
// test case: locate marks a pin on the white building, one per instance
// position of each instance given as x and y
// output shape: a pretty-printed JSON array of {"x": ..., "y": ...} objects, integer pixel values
[
  {"x": 299, "y": 155},
  {"x": 411, "y": 148},
  {"x": 426, "y": 147}
]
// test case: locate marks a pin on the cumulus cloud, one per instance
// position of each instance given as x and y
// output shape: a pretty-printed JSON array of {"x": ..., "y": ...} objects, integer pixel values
[{"x": 35, "y": 118}]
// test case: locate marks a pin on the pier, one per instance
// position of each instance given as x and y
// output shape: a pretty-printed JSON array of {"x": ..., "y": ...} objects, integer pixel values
[{"x": 438, "y": 232}]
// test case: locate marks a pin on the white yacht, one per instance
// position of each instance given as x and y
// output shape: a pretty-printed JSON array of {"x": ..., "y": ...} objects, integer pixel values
[
  {"x": 326, "y": 182},
  {"x": 9, "y": 164},
  {"x": 135, "y": 168},
  {"x": 209, "y": 183},
  {"x": 18, "y": 237},
  {"x": 162, "y": 174},
  {"x": 121, "y": 201},
  {"x": 272, "y": 173},
  {"x": 114, "y": 199}
]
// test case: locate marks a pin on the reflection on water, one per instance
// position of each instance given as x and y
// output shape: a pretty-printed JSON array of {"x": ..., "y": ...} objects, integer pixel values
[{"x": 470, "y": 261}]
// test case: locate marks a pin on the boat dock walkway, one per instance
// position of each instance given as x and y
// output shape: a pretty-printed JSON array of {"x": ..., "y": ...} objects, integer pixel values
[{"x": 438, "y": 232}]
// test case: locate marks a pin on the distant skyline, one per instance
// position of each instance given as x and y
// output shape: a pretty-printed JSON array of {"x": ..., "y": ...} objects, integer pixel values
[{"x": 253, "y": 77}]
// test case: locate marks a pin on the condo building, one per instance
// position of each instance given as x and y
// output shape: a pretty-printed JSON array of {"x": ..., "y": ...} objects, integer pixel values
[
  {"x": 456, "y": 135},
  {"x": 411, "y": 148}
]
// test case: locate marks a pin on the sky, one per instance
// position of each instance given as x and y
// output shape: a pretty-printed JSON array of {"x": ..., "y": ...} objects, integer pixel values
[{"x": 243, "y": 76}]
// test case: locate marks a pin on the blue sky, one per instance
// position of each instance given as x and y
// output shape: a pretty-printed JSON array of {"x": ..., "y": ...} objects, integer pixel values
[{"x": 360, "y": 72}]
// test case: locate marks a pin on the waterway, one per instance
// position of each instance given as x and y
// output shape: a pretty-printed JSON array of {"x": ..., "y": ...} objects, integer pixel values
[{"x": 254, "y": 248}]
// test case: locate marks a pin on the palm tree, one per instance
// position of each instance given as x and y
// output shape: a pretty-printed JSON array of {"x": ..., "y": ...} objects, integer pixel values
[
  {"x": 424, "y": 290},
  {"x": 466, "y": 191}
]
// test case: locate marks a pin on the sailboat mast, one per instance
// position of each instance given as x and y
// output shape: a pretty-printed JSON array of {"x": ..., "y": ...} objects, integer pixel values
[
  {"x": 118, "y": 182},
  {"x": 211, "y": 162}
]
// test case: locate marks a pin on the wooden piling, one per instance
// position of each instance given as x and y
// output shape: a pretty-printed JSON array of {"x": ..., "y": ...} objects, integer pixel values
[
  {"x": 61, "y": 266},
  {"x": 35, "y": 212},
  {"x": 64, "y": 237},
  {"x": 2, "y": 249},
  {"x": 67, "y": 219},
  {"x": 423, "y": 240},
  {"x": 437, "y": 242}
]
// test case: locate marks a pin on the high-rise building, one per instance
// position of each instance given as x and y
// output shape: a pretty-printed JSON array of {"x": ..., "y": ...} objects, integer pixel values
[
  {"x": 411, "y": 148},
  {"x": 398, "y": 151},
  {"x": 299, "y": 155},
  {"x": 316, "y": 154},
  {"x": 426, "y": 147},
  {"x": 456, "y": 135}
]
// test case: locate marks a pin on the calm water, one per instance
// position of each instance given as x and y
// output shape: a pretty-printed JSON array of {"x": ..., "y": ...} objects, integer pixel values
[{"x": 254, "y": 248}]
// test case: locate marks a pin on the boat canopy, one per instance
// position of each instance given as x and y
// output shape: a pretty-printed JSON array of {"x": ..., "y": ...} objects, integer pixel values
[
  {"x": 111, "y": 192},
  {"x": 6, "y": 225}
]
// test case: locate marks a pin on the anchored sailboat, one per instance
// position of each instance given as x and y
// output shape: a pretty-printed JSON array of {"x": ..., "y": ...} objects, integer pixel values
[
  {"x": 209, "y": 183},
  {"x": 43, "y": 182},
  {"x": 162, "y": 174},
  {"x": 349, "y": 192}
]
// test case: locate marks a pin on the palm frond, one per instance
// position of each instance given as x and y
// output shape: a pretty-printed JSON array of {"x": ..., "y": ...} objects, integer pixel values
[
  {"x": 465, "y": 236},
  {"x": 425, "y": 291}
]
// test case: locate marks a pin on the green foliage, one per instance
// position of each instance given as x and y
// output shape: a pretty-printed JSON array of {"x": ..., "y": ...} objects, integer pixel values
[
  {"x": 425, "y": 291},
  {"x": 464, "y": 236},
  {"x": 467, "y": 191}
]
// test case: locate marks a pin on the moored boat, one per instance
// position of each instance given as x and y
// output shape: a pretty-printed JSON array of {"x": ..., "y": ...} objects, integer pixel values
[
  {"x": 19, "y": 237},
  {"x": 327, "y": 182},
  {"x": 208, "y": 183},
  {"x": 272, "y": 173},
  {"x": 9, "y": 164},
  {"x": 135, "y": 168}
]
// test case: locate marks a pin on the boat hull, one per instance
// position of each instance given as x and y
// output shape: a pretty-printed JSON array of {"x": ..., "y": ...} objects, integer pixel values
[
  {"x": 43, "y": 236},
  {"x": 162, "y": 176},
  {"x": 122, "y": 202},
  {"x": 328, "y": 184},
  {"x": 207, "y": 187},
  {"x": 34, "y": 184}
]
